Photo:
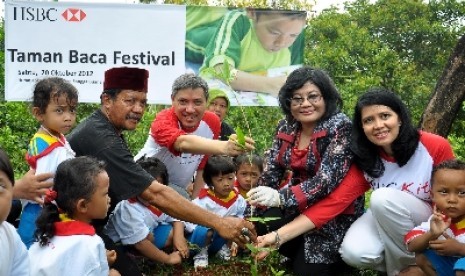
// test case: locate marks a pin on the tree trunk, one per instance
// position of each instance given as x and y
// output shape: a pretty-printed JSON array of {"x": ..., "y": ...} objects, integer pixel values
[{"x": 448, "y": 95}]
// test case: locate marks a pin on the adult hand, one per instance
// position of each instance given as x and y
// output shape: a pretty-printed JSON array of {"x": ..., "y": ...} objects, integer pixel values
[
  {"x": 265, "y": 241},
  {"x": 32, "y": 186},
  {"x": 231, "y": 228},
  {"x": 233, "y": 148},
  {"x": 264, "y": 196}
]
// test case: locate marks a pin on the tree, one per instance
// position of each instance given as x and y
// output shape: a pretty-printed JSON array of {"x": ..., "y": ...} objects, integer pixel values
[
  {"x": 401, "y": 45},
  {"x": 448, "y": 95}
]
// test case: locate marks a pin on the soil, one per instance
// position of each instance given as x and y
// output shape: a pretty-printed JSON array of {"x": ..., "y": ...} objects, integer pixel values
[{"x": 215, "y": 268}]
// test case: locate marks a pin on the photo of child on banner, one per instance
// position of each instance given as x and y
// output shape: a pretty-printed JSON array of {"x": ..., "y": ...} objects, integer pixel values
[{"x": 260, "y": 46}]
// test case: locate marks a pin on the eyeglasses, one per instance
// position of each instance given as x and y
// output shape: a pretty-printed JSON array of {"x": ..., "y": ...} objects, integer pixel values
[
  {"x": 311, "y": 98},
  {"x": 131, "y": 102}
]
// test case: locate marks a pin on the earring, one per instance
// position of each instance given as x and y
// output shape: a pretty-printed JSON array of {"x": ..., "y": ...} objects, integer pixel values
[{"x": 400, "y": 123}]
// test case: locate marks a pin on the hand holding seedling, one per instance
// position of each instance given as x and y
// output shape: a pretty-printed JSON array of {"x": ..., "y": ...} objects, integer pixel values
[
  {"x": 237, "y": 145},
  {"x": 231, "y": 228},
  {"x": 264, "y": 196},
  {"x": 268, "y": 240}
]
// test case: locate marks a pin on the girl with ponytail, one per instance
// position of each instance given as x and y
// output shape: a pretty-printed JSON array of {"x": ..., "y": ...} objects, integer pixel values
[{"x": 66, "y": 241}]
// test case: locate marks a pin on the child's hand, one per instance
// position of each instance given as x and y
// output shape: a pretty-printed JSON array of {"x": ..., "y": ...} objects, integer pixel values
[
  {"x": 234, "y": 249},
  {"x": 174, "y": 258},
  {"x": 111, "y": 256},
  {"x": 447, "y": 247},
  {"x": 180, "y": 244},
  {"x": 439, "y": 222}
]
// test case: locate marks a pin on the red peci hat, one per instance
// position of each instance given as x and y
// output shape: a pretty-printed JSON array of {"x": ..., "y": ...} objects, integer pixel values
[{"x": 126, "y": 78}]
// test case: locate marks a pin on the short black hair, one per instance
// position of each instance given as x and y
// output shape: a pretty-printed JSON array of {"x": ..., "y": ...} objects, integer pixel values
[
  {"x": 451, "y": 164},
  {"x": 216, "y": 165},
  {"x": 249, "y": 158},
  {"x": 48, "y": 89},
  {"x": 154, "y": 167},
  {"x": 319, "y": 78}
]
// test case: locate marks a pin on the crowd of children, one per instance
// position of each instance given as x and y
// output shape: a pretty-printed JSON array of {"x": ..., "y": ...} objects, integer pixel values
[{"x": 80, "y": 194}]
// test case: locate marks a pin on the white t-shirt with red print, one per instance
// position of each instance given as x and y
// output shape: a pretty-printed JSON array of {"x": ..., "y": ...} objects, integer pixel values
[
  {"x": 414, "y": 177},
  {"x": 164, "y": 131}
]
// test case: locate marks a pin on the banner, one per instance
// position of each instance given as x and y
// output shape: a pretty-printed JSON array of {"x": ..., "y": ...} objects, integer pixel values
[
  {"x": 80, "y": 41},
  {"x": 253, "y": 49}
]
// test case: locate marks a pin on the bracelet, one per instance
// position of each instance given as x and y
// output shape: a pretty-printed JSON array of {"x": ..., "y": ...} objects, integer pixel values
[{"x": 277, "y": 239}]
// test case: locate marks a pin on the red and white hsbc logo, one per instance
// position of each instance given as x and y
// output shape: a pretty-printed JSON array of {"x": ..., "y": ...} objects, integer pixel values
[
  {"x": 74, "y": 15},
  {"x": 47, "y": 14}
]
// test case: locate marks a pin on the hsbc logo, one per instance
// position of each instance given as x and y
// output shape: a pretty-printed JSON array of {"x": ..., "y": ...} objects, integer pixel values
[
  {"x": 34, "y": 14},
  {"x": 74, "y": 15},
  {"x": 47, "y": 14}
]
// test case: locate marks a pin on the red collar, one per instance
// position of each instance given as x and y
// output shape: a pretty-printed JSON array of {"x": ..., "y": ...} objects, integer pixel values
[{"x": 73, "y": 227}]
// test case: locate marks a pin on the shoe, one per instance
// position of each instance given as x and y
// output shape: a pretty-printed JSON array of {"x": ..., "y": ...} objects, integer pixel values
[
  {"x": 224, "y": 253},
  {"x": 201, "y": 259}
]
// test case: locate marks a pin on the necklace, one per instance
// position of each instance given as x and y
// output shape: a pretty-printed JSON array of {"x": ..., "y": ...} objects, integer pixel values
[{"x": 65, "y": 145}]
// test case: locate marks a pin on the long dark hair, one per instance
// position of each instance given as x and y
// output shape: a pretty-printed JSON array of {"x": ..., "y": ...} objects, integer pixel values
[
  {"x": 75, "y": 179},
  {"x": 366, "y": 153}
]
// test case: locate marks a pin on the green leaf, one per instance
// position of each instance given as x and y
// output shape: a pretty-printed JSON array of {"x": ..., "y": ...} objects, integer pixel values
[
  {"x": 263, "y": 220},
  {"x": 240, "y": 136}
]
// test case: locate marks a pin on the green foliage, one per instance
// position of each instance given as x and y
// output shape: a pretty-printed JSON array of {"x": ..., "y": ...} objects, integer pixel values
[
  {"x": 401, "y": 45},
  {"x": 240, "y": 137},
  {"x": 263, "y": 220},
  {"x": 16, "y": 129},
  {"x": 458, "y": 145},
  {"x": 262, "y": 121}
]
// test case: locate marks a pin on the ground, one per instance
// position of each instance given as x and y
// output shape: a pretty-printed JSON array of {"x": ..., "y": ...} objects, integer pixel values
[{"x": 237, "y": 267}]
